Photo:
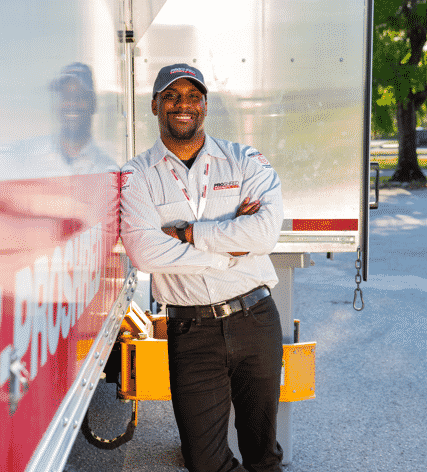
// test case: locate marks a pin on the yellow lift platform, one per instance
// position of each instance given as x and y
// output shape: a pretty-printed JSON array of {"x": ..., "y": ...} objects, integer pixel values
[
  {"x": 140, "y": 356},
  {"x": 145, "y": 370}
]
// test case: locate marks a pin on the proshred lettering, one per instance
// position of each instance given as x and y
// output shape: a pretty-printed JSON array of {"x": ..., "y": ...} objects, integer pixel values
[
  {"x": 226, "y": 185},
  {"x": 64, "y": 284}
]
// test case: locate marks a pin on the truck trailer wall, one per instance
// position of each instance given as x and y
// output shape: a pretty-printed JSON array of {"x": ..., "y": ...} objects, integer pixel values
[
  {"x": 291, "y": 79},
  {"x": 62, "y": 269}
]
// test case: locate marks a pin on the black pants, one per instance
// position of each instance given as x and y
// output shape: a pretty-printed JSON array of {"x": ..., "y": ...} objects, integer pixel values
[{"x": 236, "y": 359}]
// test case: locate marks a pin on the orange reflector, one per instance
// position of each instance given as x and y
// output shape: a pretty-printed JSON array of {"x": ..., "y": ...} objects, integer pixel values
[
  {"x": 145, "y": 370},
  {"x": 298, "y": 372},
  {"x": 83, "y": 348}
]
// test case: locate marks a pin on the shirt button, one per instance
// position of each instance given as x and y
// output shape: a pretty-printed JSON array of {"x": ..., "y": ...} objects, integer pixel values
[{"x": 191, "y": 177}]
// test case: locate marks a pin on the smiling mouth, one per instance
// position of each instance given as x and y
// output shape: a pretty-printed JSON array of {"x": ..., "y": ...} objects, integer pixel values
[{"x": 182, "y": 117}]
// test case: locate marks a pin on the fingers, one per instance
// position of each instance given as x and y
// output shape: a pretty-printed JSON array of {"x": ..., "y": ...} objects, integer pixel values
[
  {"x": 251, "y": 208},
  {"x": 247, "y": 208},
  {"x": 242, "y": 205}
]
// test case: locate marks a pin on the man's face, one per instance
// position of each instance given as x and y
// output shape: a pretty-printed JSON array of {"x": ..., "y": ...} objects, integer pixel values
[
  {"x": 75, "y": 109},
  {"x": 181, "y": 109}
]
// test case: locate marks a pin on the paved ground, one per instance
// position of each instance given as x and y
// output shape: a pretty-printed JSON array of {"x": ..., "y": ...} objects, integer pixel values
[{"x": 370, "y": 411}]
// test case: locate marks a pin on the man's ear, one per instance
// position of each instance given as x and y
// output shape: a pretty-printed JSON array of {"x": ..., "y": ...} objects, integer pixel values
[{"x": 154, "y": 106}]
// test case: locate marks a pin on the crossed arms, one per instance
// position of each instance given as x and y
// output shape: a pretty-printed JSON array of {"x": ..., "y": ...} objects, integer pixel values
[
  {"x": 154, "y": 247},
  {"x": 246, "y": 208}
]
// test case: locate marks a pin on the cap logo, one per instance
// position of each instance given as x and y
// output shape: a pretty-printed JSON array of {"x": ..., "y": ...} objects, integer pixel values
[
  {"x": 185, "y": 71},
  {"x": 169, "y": 74}
]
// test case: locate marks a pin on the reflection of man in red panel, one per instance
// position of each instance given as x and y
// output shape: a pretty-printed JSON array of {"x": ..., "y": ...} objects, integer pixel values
[
  {"x": 58, "y": 222},
  {"x": 71, "y": 151},
  {"x": 77, "y": 104},
  {"x": 43, "y": 213}
]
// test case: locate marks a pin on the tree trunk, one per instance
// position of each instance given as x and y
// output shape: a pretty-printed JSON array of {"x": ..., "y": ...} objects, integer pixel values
[{"x": 407, "y": 169}]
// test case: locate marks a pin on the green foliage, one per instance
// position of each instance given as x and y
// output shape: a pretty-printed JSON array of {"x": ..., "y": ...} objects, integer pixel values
[
  {"x": 383, "y": 111},
  {"x": 384, "y": 9},
  {"x": 397, "y": 73},
  {"x": 421, "y": 116}
]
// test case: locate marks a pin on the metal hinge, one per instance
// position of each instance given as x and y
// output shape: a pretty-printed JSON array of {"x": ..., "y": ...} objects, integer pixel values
[
  {"x": 376, "y": 168},
  {"x": 128, "y": 35},
  {"x": 18, "y": 382}
]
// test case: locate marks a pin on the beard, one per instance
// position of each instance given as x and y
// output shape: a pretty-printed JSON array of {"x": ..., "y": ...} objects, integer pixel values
[
  {"x": 183, "y": 133},
  {"x": 76, "y": 131}
]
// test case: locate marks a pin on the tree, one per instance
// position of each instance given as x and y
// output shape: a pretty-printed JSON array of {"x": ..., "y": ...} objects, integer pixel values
[{"x": 399, "y": 76}]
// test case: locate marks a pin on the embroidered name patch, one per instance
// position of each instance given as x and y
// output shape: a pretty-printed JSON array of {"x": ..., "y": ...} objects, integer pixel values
[
  {"x": 257, "y": 156},
  {"x": 226, "y": 185}
]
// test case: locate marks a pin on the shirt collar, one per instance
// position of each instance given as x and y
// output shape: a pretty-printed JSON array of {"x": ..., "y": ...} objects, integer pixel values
[{"x": 159, "y": 151}]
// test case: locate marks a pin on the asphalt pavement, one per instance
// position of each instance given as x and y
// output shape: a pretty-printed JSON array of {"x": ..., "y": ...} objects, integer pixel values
[{"x": 370, "y": 411}]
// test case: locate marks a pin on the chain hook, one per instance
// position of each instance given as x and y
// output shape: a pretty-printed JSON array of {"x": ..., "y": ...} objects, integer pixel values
[{"x": 358, "y": 280}]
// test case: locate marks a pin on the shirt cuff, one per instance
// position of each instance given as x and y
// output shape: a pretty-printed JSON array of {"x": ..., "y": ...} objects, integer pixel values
[
  {"x": 202, "y": 235},
  {"x": 221, "y": 262}
]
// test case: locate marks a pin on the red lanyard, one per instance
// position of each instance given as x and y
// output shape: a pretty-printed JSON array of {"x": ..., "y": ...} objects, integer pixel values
[{"x": 205, "y": 181}]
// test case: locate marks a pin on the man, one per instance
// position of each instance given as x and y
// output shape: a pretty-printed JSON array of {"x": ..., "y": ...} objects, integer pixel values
[{"x": 202, "y": 215}]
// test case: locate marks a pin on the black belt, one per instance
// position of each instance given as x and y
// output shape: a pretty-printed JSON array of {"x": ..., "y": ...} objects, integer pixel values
[{"x": 221, "y": 309}]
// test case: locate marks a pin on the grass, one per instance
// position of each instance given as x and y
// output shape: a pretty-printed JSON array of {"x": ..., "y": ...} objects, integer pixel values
[
  {"x": 385, "y": 183},
  {"x": 390, "y": 163}
]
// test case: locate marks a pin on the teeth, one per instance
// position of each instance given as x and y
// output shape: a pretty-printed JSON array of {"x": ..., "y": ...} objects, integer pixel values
[{"x": 183, "y": 117}]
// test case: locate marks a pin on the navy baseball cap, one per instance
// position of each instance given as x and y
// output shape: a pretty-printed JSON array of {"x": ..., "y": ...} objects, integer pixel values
[
  {"x": 169, "y": 74},
  {"x": 77, "y": 70}
]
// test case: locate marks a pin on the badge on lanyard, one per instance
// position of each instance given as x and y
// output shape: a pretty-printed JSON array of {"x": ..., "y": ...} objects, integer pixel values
[{"x": 205, "y": 181}]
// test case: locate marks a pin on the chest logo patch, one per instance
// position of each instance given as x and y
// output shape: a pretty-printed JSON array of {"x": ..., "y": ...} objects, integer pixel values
[{"x": 226, "y": 185}]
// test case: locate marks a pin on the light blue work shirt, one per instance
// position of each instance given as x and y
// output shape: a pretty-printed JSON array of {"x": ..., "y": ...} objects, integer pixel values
[
  {"x": 205, "y": 273},
  {"x": 41, "y": 157}
]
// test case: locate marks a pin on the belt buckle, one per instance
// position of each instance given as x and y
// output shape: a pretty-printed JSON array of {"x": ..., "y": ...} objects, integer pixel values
[{"x": 227, "y": 313}]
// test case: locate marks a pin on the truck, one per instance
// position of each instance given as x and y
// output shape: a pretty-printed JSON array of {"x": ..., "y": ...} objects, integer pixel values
[{"x": 291, "y": 79}]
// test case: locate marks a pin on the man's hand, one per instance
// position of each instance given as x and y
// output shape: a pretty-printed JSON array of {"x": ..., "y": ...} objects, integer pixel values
[
  {"x": 246, "y": 208},
  {"x": 171, "y": 231}
]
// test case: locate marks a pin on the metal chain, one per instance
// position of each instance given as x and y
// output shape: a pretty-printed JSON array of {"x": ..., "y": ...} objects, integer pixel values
[{"x": 358, "y": 279}]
